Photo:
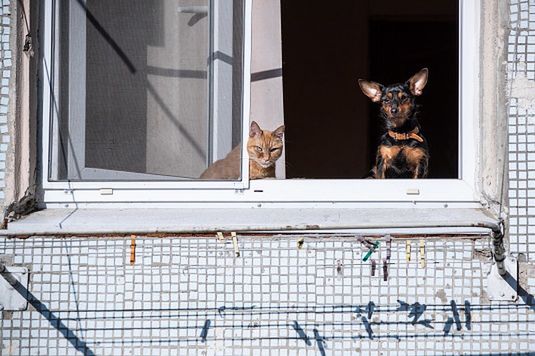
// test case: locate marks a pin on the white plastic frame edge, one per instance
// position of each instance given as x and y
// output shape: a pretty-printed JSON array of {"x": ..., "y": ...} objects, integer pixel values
[{"x": 440, "y": 191}]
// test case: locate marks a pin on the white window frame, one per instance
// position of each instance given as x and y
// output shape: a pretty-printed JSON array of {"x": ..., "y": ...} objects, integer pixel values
[
  {"x": 220, "y": 113},
  {"x": 460, "y": 192}
]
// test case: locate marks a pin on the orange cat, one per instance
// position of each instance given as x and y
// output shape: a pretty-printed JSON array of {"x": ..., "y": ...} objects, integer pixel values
[{"x": 264, "y": 149}]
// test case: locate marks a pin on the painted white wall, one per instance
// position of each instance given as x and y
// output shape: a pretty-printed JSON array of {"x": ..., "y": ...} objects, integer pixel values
[{"x": 266, "y": 94}]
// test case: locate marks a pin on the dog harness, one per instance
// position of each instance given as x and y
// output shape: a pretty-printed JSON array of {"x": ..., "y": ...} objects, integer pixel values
[{"x": 406, "y": 136}]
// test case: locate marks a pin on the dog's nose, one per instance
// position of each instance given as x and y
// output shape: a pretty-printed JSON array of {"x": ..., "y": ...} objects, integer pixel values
[{"x": 394, "y": 110}]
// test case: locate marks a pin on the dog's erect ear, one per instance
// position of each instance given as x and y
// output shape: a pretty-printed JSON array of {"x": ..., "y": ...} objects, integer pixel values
[
  {"x": 372, "y": 90},
  {"x": 418, "y": 81},
  {"x": 279, "y": 132},
  {"x": 254, "y": 130}
]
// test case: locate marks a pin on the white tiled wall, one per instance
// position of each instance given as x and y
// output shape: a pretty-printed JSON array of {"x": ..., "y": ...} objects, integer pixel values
[
  {"x": 5, "y": 70},
  {"x": 191, "y": 296},
  {"x": 521, "y": 77}
]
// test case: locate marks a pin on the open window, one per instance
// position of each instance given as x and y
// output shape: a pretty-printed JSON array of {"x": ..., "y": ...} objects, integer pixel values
[
  {"x": 143, "y": 90},
  {"x": 138, "y": 108},
  {"x": 387, "y": 41}
]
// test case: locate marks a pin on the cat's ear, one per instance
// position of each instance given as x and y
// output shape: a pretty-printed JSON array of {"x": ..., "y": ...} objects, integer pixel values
[
  {"x": 254, "y": 130},
  {"x": 418, "y": 81},
  {"x": 372, "y": 90},
  {"x": 279, "y": 132}
]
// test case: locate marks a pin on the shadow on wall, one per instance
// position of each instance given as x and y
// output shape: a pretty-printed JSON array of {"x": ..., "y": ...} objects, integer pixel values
[{"x": 311, "y": 333}]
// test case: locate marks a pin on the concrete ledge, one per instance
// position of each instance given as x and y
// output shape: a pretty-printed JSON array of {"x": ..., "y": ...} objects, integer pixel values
[{"x": 146, "y": 221}]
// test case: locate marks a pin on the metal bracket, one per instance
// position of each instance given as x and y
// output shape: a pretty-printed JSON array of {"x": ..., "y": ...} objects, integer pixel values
[
  {"x": 10, "y": 298},
  {"x": 503, "y": 287}
]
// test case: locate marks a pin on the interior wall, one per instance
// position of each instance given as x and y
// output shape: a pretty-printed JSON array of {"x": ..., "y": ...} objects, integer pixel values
[
  {"x": 161, "y": 125},
  {"x": 266, "y": 67},
  {"x": 177, "y": 90}
]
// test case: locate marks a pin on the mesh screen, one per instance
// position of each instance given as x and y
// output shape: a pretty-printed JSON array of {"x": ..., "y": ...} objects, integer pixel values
[{"x": 137, "y": 88}]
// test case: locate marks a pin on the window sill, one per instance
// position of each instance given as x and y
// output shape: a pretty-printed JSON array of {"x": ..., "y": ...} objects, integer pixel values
[{"x": 180, "y": 220}]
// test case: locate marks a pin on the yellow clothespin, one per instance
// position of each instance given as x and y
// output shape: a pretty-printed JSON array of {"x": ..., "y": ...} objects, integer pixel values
[
  {"x": 408, "y": 251},
  {"x": 235, "y": 243},
  {"x": 422, "y": 253},
  {"x": 132, "y": 249}
]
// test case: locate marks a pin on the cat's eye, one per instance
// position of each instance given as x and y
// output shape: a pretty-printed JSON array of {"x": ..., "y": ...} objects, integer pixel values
[
  {"x": 274, "y": 149},
  {"x": 258, "y": 149}
]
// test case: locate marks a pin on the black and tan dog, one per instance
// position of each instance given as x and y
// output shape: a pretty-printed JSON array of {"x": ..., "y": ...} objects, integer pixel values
[{"x": 403, "y": 150}]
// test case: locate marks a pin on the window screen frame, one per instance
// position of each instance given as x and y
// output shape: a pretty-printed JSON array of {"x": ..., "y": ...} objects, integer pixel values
[
  {"x": 50, "y": 119},
  {"x": 219, "y": 118},
  {"x": 407, "y": 192}
]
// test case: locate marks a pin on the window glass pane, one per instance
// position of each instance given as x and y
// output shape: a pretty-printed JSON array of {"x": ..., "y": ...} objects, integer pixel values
[{"x": 136, "y": 89}]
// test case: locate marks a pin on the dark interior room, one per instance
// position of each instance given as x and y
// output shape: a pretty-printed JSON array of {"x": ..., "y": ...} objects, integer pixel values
[{"x": 332, "y": 129}]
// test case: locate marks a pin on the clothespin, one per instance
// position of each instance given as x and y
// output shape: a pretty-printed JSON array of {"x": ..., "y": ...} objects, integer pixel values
[
  {"x": 220, "y": 236},
  {"x": 385, "y": 270},
  {"x": 300, "y": 243},
  {"x": 374, "y": 247},
  {"x": 422, "y": 253},
  {"x": 408, "y": 250},
  {"x": 374, "y": 266},
  {"x": 366, "y": 242},
  {"x": 235, "y": 243},
  {"x": 388, "y": 239},
  {"x": 132, "y": 249}
]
